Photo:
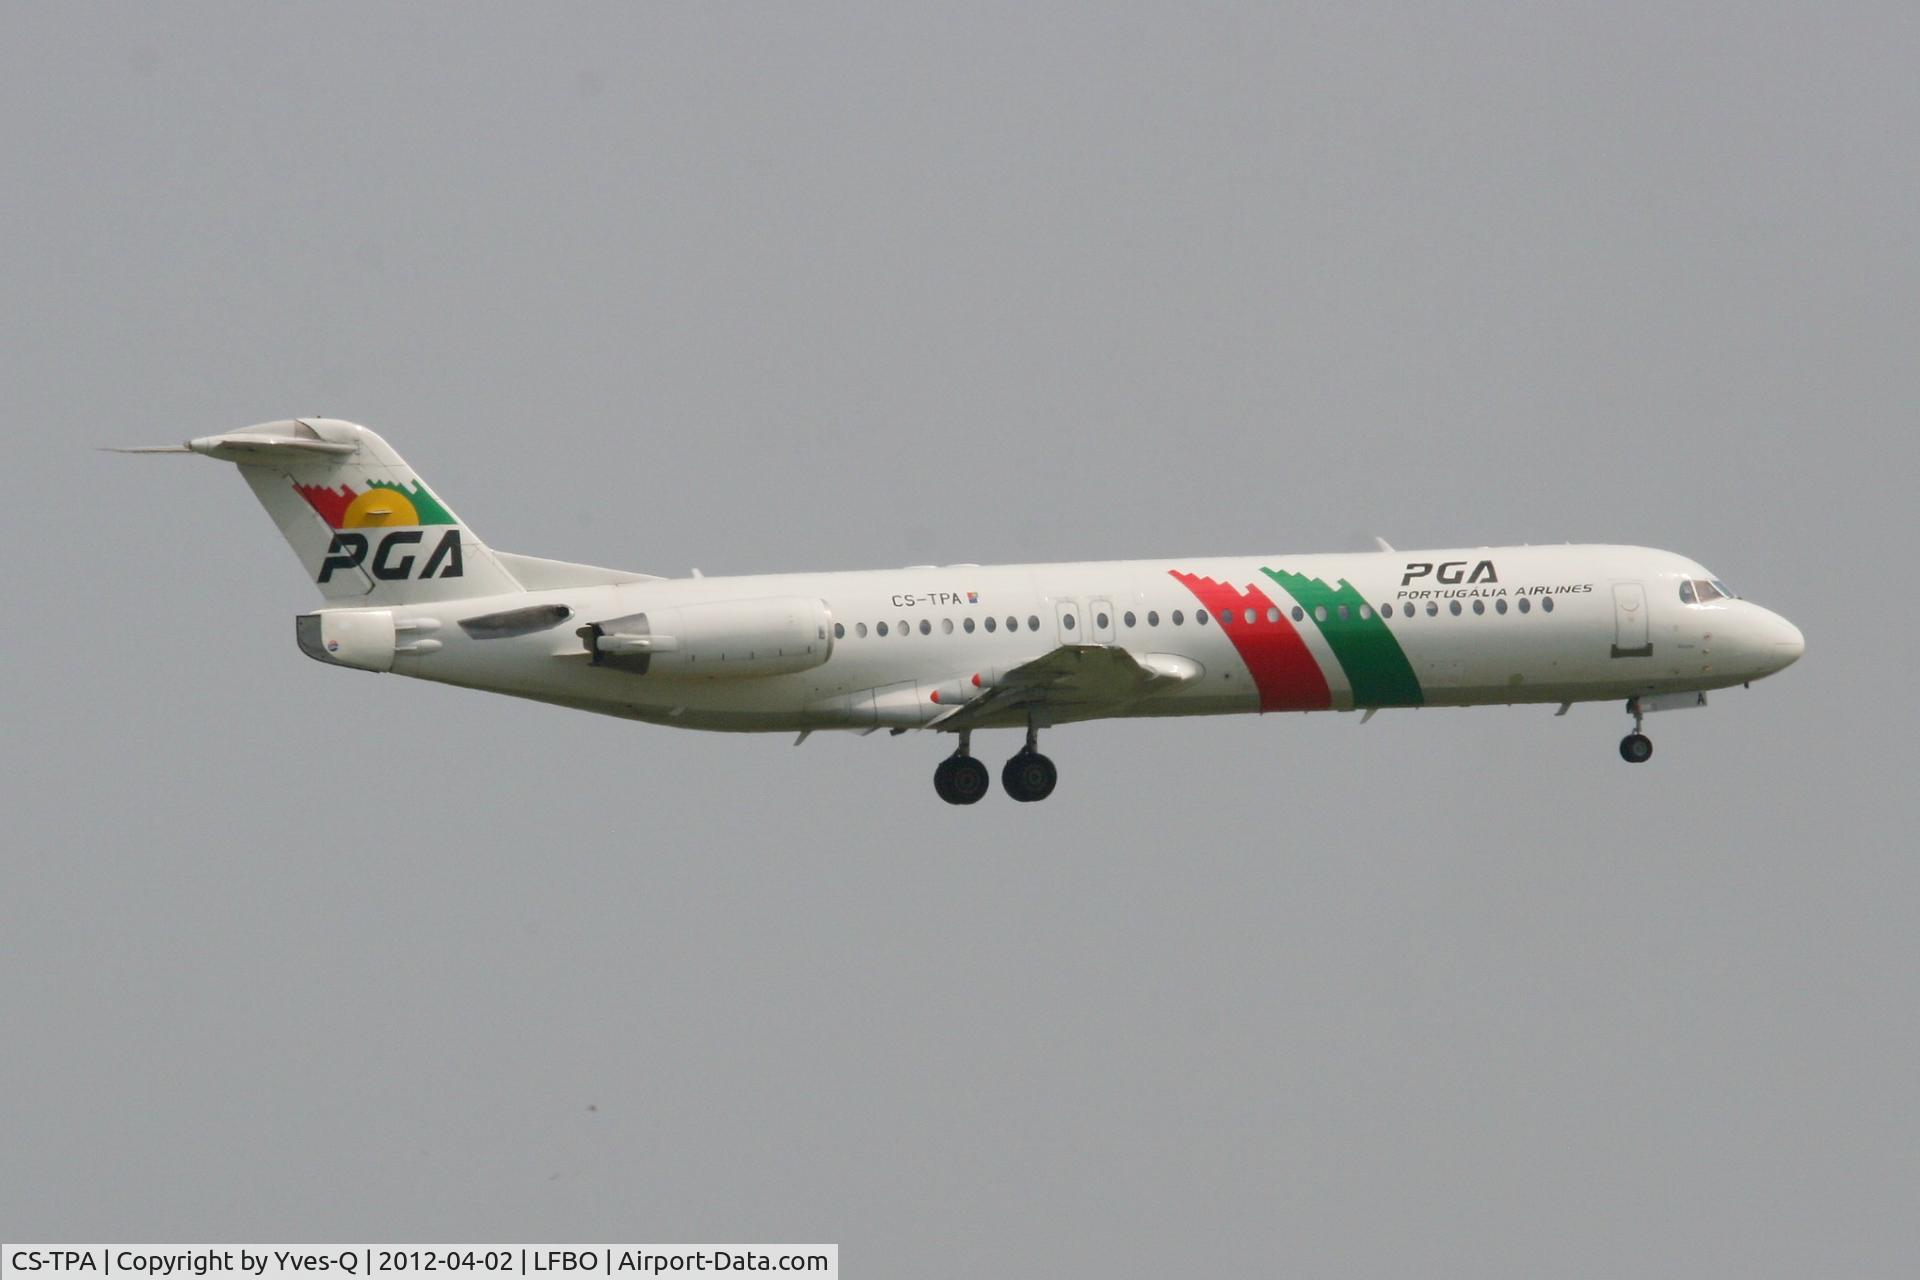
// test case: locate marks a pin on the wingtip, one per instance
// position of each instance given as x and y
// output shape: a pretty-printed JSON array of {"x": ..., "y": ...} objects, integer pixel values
[{"x": 144, "y": 448}]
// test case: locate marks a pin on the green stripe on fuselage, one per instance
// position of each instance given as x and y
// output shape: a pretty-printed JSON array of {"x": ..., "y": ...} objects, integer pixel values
[{"x": 1376, "y": 667}]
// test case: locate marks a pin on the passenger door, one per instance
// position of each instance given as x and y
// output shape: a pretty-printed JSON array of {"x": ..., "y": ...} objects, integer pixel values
[{"x": 1630, "y": 631}]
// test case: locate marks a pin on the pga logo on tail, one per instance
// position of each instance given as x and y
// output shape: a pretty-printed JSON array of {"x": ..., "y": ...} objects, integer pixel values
[
  {"x": 392, "y": 562},
  {"x": 405, "y": 511}
]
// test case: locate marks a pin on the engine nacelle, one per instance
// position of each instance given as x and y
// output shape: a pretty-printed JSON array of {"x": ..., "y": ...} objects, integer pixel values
[{"x": 771, "y": 637}]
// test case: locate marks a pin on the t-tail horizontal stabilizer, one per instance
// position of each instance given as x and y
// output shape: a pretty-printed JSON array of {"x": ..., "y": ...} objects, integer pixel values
[{"x": 365, "y": 526}]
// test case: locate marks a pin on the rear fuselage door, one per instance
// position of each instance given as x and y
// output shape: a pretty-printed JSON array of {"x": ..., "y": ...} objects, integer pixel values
[{"x": 1630, "y": 631}]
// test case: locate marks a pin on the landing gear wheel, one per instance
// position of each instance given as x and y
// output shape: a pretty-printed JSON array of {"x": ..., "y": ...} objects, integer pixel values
[
  {"x": 961, "y": 780},
  {"x": 1029, "y": 776},
  {"x": 1636, "y": 748}
]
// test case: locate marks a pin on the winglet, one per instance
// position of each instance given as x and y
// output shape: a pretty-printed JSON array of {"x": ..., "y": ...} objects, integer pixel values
[
  {"x": 144, "y": 448},
  {"x": 1382, "y": 543}
]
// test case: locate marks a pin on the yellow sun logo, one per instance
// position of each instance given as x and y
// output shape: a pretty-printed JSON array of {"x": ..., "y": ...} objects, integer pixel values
[{"x": 380, "y": 508}]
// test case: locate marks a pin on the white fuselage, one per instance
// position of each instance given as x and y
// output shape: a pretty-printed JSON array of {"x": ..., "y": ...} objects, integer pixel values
[{"x": 1400, "y": 628}]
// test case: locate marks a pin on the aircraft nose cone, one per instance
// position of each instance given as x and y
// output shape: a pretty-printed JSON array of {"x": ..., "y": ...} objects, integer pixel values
[
  {"x": 1781, "y": 643},
  {"x": 1789, "y": 642}
]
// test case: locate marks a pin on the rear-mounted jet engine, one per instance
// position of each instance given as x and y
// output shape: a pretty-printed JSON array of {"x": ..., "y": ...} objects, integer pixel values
[{"x": 736, "y": 638}]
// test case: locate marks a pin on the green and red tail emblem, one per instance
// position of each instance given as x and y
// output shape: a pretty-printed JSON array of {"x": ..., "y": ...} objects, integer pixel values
[{"x": 381, "y": 505}]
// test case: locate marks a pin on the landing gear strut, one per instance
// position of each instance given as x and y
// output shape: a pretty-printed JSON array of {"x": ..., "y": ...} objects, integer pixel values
[
  {"x": 1029, "y": 776},
  {"x": 1636, "y": 747},
  {"x": 960, "y": 779}
]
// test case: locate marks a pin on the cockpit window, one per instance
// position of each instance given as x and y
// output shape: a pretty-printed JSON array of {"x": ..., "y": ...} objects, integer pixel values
[
  {"x": 1724, "y": 589},
  {"x": 1703, "y": 590}
]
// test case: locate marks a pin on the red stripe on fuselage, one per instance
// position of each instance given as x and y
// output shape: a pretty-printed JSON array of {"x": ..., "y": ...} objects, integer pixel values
[{"x": 1282, "y": 666}]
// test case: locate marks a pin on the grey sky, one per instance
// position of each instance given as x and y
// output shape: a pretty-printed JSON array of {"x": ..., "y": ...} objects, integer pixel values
[{"x": 294, "y": 952}]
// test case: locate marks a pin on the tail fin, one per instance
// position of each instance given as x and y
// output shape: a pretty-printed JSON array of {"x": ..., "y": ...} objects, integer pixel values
[{"x": 366, "y": 528}]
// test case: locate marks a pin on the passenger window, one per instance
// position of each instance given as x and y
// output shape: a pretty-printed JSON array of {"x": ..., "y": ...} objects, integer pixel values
[
  {"x": 967, "y": 626},
  {"x": 1273, "y": 615},
  {"x": 1524, "y": 606},
  {"x": 1319, "y": 613},
  {"x": 1252, "y": 615},
  {"x": 1200, "y": 617},
  {"x": 880, "y": 629},
  {"x": 1066, "y": 621},
  {"x": 946, "y": 626},
  {"x": 1033, "y": 622},
  {"x": 1153, "y": 617},
  {"x": 1479, "y": 606},
  {"x": 1453, "y": 607},
  {"x": 1366, "y": 612},
  {"x": 860, "y": 629},
  {"x": 1102, "y": 621},
  {"x": 1299, "y": 614},
  {"x": 990, "y": 622},
  {"x": 1433, "y": 609},
  {"x": 1343, "y": 613},
  {"x": 839, "y": 631},
  {"x": 1013, "y": 623},
  {"x": 1178, "y": 617},
  {"x": 1127, "y": 617},
  {"x": 1546, "y": 604}
]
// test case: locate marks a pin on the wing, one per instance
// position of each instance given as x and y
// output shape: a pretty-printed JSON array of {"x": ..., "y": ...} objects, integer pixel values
[{"x": 1080, "y": 679}]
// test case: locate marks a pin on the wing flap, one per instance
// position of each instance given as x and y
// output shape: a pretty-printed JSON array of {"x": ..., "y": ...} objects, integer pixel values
[{"x": 1074, "y": 676}]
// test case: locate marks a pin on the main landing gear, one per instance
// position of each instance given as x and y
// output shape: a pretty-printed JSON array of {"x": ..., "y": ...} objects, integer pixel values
[
  {"x": 1636, "y": 747},
  {"x": 960, "y": 779},
  {"x": 1029, "y": 776}
]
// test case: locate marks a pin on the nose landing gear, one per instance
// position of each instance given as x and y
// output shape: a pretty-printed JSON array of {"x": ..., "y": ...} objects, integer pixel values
[{"x": 1636, "y": 747}]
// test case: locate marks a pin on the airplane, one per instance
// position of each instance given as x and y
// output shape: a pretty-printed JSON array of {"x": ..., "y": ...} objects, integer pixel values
[{"x": 951, "y": 649}]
